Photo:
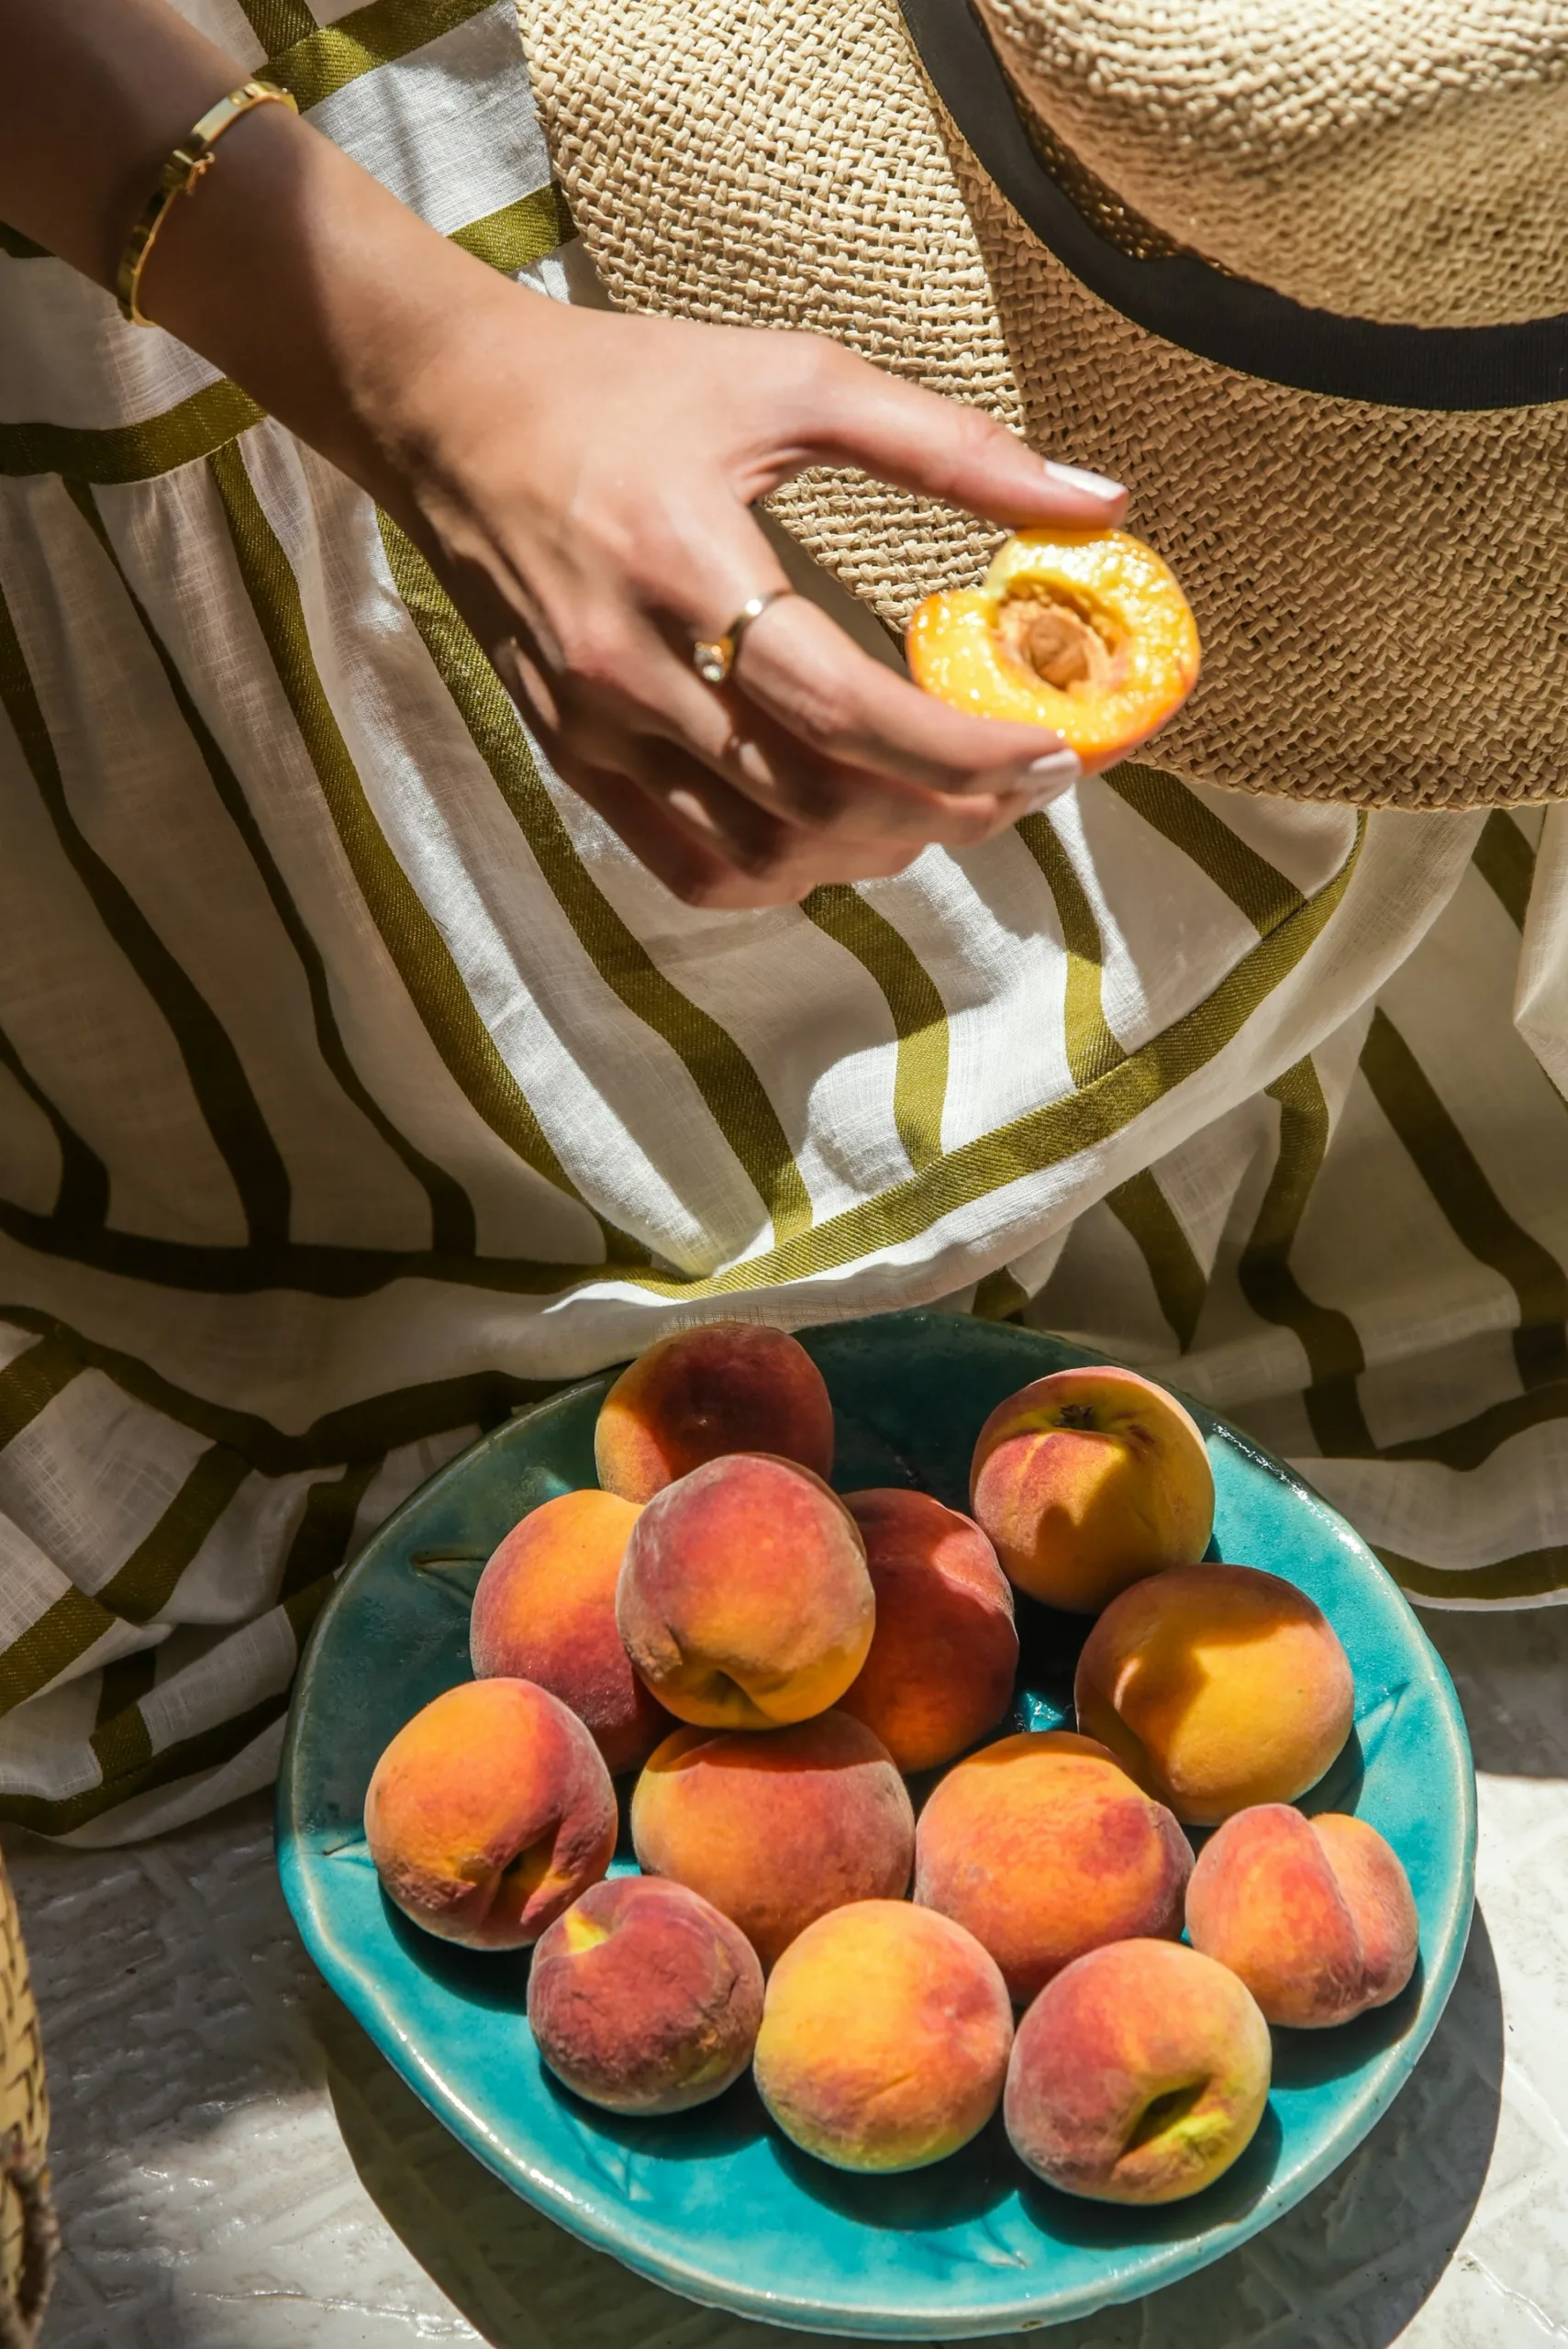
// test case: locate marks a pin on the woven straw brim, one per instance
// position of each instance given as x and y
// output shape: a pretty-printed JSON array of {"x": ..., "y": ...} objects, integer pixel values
[{"x": 1382, "y": 593}]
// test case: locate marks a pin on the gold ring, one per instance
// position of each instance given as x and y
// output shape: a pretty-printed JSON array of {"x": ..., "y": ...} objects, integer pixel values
[{"x": 713, "y": 657}]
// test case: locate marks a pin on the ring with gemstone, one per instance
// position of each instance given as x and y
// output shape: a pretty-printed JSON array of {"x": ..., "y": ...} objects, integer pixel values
[{"x": 713, "y": 657}]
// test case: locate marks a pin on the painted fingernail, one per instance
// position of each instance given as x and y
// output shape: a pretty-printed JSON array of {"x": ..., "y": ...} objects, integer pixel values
[
  {"x": 1047, "y": 779},
  {"x": 1092, "y": 484}
]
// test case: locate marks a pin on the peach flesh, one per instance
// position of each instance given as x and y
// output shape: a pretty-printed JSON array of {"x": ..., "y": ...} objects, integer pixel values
[
  {"x": 744, "y": 1600},
  {"x": 489, "y": 1812},
  {"x": 1043, "y": 1848},
  {"x": 885, "y": 2037},
  {"x": 730, "y": 1387},
  {"x": 942, "y": 1659},
  {"x": 545, "y": 1610},
  {"x": 644, "y": 1999},
  {"x": 1314, "y": 1915},
  {"x": 778, "y": 1827},
  {"x": 1216, "y": 1686},
  {"x": 1139, "y": 2074},
  {"x": 1088, "y": 1480}
]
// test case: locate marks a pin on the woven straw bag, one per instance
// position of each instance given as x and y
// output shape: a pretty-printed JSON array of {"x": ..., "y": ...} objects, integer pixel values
[{"x": 28, "y": 2230}]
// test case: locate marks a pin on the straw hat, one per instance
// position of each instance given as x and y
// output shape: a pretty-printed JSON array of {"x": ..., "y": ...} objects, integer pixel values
[{"x": 1297, "y": 269}]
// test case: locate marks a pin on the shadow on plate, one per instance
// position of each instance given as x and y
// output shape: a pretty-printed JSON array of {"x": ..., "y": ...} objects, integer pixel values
[
  {"x": 1304, "y": 2059},
  {"x": 1377, "y": 2235}
]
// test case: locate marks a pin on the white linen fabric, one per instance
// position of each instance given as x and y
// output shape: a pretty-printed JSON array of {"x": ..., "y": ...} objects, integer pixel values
[{"x": 356, "y": 1085}]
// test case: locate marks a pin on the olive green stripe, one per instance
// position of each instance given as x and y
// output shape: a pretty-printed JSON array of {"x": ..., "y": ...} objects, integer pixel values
[
  {"x": 144, "y": 1585},
  {"x": 126, "y": 452},
  {"x": 914, "y": 1001},
  {"x": 420, "y": 955},
  {"x": 1178, "y": 1280},
  {"x": 1506, "y": 862},
  {"x": 1252, "y": 884},
  {"x": 218, "y": 1078},
  {"x": 203, "y": 1750},
  {"x": 999, "y": 1297},
  {"x": 1091, "y": 1048},
  {"x": 326, "y": 59},
  {"x": 1472, "y": 1209},
  {"x": 63, "y": 1632},
  {"x": 121, "y": 1740},
  {"x": 321, "y": 1543},
  {"x": 20, "y": 248},
  {"x": 1470, "y": 1441},
  {"x": 452, "y": 1227},
  {"x": 381, "y": 1423},
  {"x": 731, "y": 1090},
  {"x": 138, "y": 1592},
  {"x": 30, "y": 1384},
  {"x": 83, "y": 1197},
  {"x": 1532, "y": 1575},
  {"x": 519, "y": 233},
  {"x": 1328, "y": 1337},
  {"x": 278, "y": 24}
]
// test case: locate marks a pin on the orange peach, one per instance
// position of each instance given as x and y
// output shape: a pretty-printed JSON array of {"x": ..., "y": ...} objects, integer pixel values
[
  {"x": 777, "y": 1828},
  {"x": 940, "y": 1670},
  {"x": 885, "y": 2037},
  {"x": 545, "y": 1610},
  {"x": 1138, "y": 2074},
  {"x": 644, "y": 1999},
  {"x": 1089, "y": 1480},
  {"x": 1042, "y": 1847},
  {"x": 1315, "y": 1915},
  {"x": 489, "y": 1812},
  {"x": 730, "y": 1387},
  {"x": 1217, "y": 1687},
  {"x": 744, "y": 1600}
]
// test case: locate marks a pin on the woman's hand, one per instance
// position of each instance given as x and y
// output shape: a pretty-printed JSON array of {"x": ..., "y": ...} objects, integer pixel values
[{"x": 581, "y": 482}]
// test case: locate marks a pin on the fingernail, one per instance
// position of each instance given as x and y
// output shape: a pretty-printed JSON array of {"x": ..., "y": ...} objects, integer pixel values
[
  {"x": 1092, "y": 484},
  {"x": 1048, "y": 778}
]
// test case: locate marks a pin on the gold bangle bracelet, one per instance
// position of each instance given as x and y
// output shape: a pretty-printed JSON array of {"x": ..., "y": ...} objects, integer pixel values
[{"x": 184, "y": 167}]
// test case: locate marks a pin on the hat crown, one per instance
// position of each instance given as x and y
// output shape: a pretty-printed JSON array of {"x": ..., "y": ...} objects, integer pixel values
[{"x": 1397, "y": 162}]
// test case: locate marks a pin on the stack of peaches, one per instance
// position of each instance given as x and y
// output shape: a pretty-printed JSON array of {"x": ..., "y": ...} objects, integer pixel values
[{"x": 776, "y": 1662}]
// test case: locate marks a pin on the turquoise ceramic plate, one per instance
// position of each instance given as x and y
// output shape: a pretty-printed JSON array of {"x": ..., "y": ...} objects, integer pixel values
[{"x": 714, "y": 2203}]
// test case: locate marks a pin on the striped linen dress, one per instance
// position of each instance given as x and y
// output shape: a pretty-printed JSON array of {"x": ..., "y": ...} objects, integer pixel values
[{"x": 356, "y": 1085}]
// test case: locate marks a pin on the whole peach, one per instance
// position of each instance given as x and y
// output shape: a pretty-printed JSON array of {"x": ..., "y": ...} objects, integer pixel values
[
  {"x": 1088, "y": 1480},
  {"x": 1315, "y": 1915},
  {"x": 744, "y": 1600},
  {"x": 545, "y": 1610},
  {"x": 1217, "y": 1687},
  {"x": 489, "y": 1812},
  {"x": 1138, "y": 2074},
  {"x": 730, "y": 1387},
  {"x": 885, "y": 2037},
  {"x": 940, "y": 1670},
  {"x": 1042, "y": 1847},
  {"x": 644, "y": 1999},
  {"x": 777, "y": 1827}
]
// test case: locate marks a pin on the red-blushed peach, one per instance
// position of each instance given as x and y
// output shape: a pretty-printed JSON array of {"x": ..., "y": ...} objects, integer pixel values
[
  {"x": 730, "y": 1387},
  {"x": 776, "y": 1827},
  {"x": 885, "y": 2037},
  {"x": 545, "y": 1610},
  {"x": 744, "y": 1600},
  {"x": 644, "y": 1999},
  {"x": 1315, "y": 1915},
  {"x": 940, "y": 1670},
  {"x": 1042, "y": 1847},
  {"x": 1088, "y": 1480},
  {"x": 489, "y": 1812},
  {"x": 1138, "y": 2074},
  {"x": 1217, "y": 1687}
]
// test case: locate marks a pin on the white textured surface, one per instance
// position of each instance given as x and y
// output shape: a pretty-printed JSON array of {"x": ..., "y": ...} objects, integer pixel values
[{"x": 238, "y": 2169}]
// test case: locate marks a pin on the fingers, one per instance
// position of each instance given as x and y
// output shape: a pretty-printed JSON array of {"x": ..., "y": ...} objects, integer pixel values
[{"x": 846, "y": 411}]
